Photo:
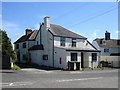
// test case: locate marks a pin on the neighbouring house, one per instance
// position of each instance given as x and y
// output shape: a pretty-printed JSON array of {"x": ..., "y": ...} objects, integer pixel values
[
  {"x": 55, "y": 46},
  {"x": 110, "y": 49}
]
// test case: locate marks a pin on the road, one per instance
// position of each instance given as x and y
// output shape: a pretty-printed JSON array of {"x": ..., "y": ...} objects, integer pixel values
[{"x": 36, "y": 78}]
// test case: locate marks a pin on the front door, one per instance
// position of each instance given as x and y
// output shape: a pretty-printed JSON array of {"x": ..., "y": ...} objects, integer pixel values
[
  {"x": 82, "y": 60},
  {"x": 18, "y": 56}
]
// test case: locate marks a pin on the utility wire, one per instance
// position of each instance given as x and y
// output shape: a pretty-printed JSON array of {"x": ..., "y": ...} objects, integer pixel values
[
  {"x": 71, "y": 11},
  {"x": 93, "y": 17},
  {"x": 97, "y": 12}
]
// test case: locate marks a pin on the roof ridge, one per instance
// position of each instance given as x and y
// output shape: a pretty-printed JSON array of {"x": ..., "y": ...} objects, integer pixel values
[{"x": 67, "y": 31}]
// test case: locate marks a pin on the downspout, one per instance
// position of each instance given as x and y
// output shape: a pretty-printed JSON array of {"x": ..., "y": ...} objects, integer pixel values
[
  {"x": 40, "y": 34},
  {"x": 28, "y": 52},
  {"x": 53, "y": 50}
]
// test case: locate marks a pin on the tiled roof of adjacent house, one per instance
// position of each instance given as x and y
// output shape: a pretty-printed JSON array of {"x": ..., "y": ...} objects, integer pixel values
[
  {"x": 61, "y": 31},
  {"x": 112, "y": 43},
  {"x": 28, "y": 37}
]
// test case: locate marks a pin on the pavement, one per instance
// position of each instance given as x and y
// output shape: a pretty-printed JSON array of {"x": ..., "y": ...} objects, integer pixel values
[{"x": 39, "y": 78}]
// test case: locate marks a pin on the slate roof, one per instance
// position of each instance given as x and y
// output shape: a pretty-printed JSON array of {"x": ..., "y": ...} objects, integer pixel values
[
  {"x": 112, "y": 43},
  {"x": 57, "y": 30},
  {"x": 54, "y": 29},
  {"x": 28, "y": 37}
]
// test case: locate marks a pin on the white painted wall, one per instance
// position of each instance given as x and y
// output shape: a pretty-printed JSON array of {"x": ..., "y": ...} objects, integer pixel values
[
  {"x": 47, "y": 41},
  {"x": 57, "y": 41},
  {"x": 37, "y": 39},
  {"x": 36, "y": 56},
  {"x": 96, "y": 45},
  {"x": 80, "y": 43},
  {"x": 60, "y": 53},
  {"x": 87, "y": 60},
  {"x": 24, "y": 51}
]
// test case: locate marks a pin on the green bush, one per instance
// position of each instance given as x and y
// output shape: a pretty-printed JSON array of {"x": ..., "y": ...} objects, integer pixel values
[{"x": 15, "y": 67}]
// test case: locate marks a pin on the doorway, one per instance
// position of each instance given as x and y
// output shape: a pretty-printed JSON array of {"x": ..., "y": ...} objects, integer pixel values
[{"x": 82, "y": 60}]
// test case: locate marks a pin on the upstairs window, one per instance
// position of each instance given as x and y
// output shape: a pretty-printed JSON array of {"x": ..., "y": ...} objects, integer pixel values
[
  {"x": 17, "y": 46},
  {"x": 104, "y": 42},
  {"x": 24, "y": 45},
  {"x": 73, "y": 42},
  {"x": 106, "y": 50},
  {"x": 62, "y": 41}
]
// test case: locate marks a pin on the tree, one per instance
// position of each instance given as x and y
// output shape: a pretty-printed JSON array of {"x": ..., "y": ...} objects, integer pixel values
[
  {"x": 7, "y": 49},
  {"x": 14, "y": 56}
]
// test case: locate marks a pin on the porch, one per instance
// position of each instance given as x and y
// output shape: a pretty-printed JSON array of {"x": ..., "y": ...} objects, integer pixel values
[{"x": 78, "y": 60}]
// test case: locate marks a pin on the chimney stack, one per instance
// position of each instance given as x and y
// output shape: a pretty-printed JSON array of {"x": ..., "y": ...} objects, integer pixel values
[
  {"x": 107, "y": 36},
  {"x": 28, "y": 31},
  {"x": 47, "y": 22}
]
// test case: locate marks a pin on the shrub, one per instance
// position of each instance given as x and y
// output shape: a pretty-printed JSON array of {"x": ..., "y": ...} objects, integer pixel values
[{"x": 15, "y": 67}]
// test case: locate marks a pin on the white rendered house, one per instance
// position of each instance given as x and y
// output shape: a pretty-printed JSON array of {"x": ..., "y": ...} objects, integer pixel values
[
  {"x": 55, "y": 46},
  {"x": 110, "y": 49}
]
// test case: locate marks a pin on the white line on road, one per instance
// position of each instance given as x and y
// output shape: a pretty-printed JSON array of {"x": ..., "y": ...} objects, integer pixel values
[
  {"x": 73, "y": 72},
  {"x": 10, "y": 84},
  {"x": 67, "y": 80},
  {"x": 15, "y": 84},
  {"x": 99, "y": 71}
]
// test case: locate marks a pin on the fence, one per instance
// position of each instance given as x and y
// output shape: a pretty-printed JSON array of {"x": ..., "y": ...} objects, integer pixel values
[{"x": 114, "y": 61}]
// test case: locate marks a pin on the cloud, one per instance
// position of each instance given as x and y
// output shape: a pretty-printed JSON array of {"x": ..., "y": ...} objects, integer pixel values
[
  {"x": 37, "y": 26},
  {"x": 94, "y": 34},
  {"x": 9, "y": 25},
  {"x": 13, "y": 30},
  {"x": 117, "y": 32}
]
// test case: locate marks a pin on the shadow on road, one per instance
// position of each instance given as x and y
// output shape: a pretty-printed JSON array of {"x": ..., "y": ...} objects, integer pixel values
[
  {"x": 33, "y": 65},
  {"x": 7, "y": 71}
]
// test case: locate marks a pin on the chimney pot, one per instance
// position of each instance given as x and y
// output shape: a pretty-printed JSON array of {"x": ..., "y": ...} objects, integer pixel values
[
  {"x": 47, "y": 22},
  {"x": 107, "y": 35},
  {"x": 28, "y": 31}
]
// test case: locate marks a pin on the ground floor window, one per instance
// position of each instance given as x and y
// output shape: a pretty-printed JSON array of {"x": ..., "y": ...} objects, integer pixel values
[
  {"x": 73, "y": 56},
  {"x": 45, "y": 57},
  {"x": 24, "y": 57},
  {"x": 94, "y": 56}
]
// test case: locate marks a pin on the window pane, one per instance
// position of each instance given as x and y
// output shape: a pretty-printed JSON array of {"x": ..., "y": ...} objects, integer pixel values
[
  {"x": 94, "y": 56},
  {"x": 62, "y": 41},
  {"x": 73, "y": 56},
  {"x": 24, "y": 45},
  {"x": 73, "y": 42}
]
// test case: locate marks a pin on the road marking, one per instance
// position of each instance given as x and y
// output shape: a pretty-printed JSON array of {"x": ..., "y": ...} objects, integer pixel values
[
  {"x": 10, "y": 84},
  {"x": 73, "y": 72},
  {"x": 3, "y": 83},
  {"x": 36, "y": 71},
  {"x": 67, "y": 80},
  {"x": 97, "y": 71},
  {"x": 15, "y": 84}
]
